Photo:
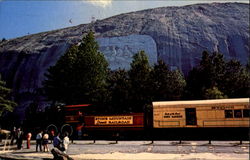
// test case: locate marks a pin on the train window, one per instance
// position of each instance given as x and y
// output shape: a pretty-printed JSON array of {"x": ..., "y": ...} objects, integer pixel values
[
  {"x": 237, "y": 114},
  {"x": 228, "y": 113},
  {"x": 246, "y": 112}
]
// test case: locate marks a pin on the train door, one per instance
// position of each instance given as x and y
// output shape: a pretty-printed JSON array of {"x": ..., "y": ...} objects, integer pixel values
[{"x": 191, "y": 116}]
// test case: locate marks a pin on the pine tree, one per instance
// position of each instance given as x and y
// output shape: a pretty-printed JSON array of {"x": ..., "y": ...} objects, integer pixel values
[
  {"x": 166, "y": 84},
  {"x": 177, "y": 85},
  {"x": 59, "y": 83},
  {"x": 140, "y": 84},
  {"x": 119, "y": 89},
  {"x": 79, "y": 76},
  {"x": 216, "y": 76},
  {"x": 212, "y": 69},
  {"x": 195, "y": 86},
  {"x": 236, "y": 80},
  {"x": 5, "y": 104}
]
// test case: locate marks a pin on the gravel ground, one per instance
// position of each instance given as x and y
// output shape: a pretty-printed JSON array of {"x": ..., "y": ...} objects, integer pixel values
[{"x": 128, "y": 150}]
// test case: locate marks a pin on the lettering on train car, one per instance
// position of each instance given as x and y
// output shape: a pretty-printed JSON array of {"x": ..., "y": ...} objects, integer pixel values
[
  {"x": 114, "y": 120},
  {"x": 222, "y": 107},
  {"x": 172, "y": 115}
]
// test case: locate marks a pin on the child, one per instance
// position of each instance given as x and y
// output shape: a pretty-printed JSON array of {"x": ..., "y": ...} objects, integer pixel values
[{"x": 45, "y": 142}]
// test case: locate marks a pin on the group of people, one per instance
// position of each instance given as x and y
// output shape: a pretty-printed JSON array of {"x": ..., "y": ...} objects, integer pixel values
[
  {"x": 59, "y": 141},
  {"x": 18, "y": 135},
  {"x": 42, "y": 139}
]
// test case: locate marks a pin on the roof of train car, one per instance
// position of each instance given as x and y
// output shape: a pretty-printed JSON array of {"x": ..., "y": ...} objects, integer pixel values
[
  {"x": 201, "y": 102},
  {"x": 78, "y": 105}
]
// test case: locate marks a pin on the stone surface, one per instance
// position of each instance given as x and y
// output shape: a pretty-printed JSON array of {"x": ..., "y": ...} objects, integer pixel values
[
  {"x": 178, "y": 35},
  {"x": 138, "y": 150},
  {"x": 120, "y": 50}
]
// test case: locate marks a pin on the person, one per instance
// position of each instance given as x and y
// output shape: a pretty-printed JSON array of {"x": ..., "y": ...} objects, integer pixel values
[
  {"x": 19, "y": 138},
  {"x": 79, "y": 131},
  {"x": 57, "y": 142},
  {"x": 13, "y": 135},
  {"x": 39, "y": 141},
  {"x": 65, "y": 142},
  {"x": 52, "y": 135},
  {"x": 29, "y": 135},
  {"x": 45, "y": 142}
]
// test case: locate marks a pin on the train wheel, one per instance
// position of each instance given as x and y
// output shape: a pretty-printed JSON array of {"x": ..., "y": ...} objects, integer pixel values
[
  {"x": 51, "y": 128},
  {"x": 67, "y": 128}
]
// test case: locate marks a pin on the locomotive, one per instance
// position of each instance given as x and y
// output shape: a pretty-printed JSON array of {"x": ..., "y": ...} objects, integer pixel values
[{"x": 197, "y": 119}]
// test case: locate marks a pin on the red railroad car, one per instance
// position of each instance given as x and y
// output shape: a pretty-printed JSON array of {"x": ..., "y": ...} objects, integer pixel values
[
  {"x": 80, "y": 118},
  {"x": 131, "y": 121}
]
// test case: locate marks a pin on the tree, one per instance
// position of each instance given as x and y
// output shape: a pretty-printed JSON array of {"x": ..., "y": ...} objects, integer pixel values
[
  {"x": 177, "y": 85},
  {"x": 79, "y": 76},
  {"x": 209, "y": 74},
  {"x": 215, "y": 75},
  {"x": 119, "y": 89},
  {"x": 58, "y": 85},
  {"x": 212, "y": 69},
  {"x": 5, "y": 103},
  {"x": 214, "y": 93},
  {"x": 194, "y": 87},
  {"x": 166, "y": 84},
  {"x": 139, "y": 80},
  {"x": 236, "y": 80}
]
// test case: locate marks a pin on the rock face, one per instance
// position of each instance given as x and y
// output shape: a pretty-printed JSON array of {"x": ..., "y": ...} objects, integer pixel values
[
  {"x": 178, "y": 35},
  {"x": 119, "y": 51}
]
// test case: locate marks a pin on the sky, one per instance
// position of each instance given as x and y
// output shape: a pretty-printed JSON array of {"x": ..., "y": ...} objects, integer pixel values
[{"x": 23, "y": 17}]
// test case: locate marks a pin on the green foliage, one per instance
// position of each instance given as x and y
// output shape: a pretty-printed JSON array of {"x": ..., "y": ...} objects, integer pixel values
[
  {"x": 230, "y": 78},
  {"x": 214, "y": 93},
  {"x": 139, "y": 75},
  {"x": 177, "y": 85},
  {"x": 58, "y": 85},
  {"x": 208, "y": 74},
  {"x": 119, "y": 91},
  {"x": 5, "y": 104},
  {"x": 236, "y": 80},
  {"x": 79, "y": 76},
  {"x": 212, "y": 68},
  {"x": 166, "y": 84},
  {"x": 134, "y": 91},
  {"x": 194, "y": 85}
]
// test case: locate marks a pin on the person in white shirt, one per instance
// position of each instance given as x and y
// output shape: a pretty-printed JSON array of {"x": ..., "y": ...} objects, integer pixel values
[
  {"x": 39, "y": 141},
  {"x": 65, "y": 142}
]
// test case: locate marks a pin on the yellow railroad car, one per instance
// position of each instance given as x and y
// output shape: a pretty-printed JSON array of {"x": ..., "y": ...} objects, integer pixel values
[{"x": 217, "y": 113}]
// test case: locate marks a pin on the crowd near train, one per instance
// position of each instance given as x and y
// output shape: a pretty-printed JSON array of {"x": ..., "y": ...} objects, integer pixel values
[{"x": 195, "y": 120}]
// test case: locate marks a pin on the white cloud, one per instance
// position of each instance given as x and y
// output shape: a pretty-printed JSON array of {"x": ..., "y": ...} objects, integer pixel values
[{"x": 100, "y": 3}]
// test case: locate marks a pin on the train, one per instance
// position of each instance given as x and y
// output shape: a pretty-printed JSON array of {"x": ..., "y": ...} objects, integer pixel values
[{"x": 195, "y": 119}]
